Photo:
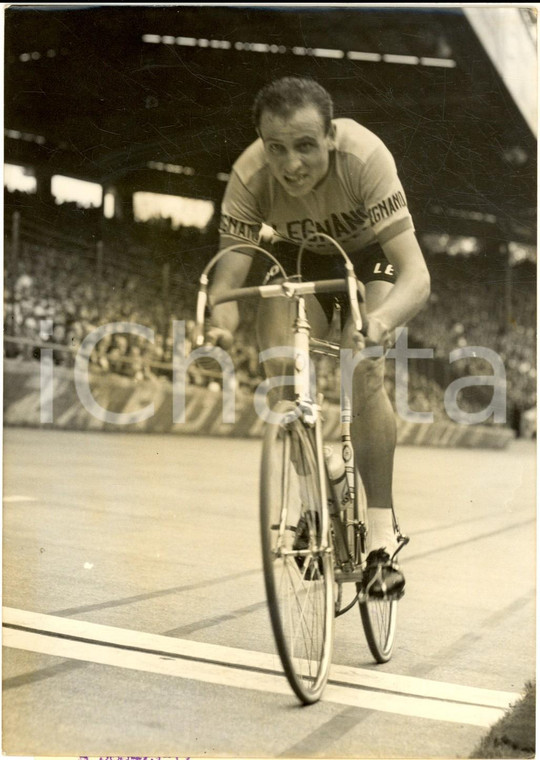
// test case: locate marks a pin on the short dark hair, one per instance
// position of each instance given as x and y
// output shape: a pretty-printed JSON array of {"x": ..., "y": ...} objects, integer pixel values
[{"x": 284, "y": 96}]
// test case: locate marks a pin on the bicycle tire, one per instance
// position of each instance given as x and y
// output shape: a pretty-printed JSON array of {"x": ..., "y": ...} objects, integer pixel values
[
  {"x": 379, "y": 620},
  {"x": 379, "y": 616},
  {"x": 299, "y": 577}
]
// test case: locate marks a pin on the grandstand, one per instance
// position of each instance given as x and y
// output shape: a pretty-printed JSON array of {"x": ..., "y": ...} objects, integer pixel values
[{"x": 145, "y": 111}]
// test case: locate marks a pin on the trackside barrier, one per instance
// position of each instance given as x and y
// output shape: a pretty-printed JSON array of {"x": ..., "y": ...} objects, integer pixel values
[{"x": 203, "y": 410}]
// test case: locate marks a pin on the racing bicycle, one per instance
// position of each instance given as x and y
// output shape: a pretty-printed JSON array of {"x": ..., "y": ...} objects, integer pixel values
[{"x": 313, "y": 539}]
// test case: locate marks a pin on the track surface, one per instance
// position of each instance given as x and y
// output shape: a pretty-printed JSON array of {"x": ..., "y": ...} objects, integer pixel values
[{"x": 135, "y": 620}]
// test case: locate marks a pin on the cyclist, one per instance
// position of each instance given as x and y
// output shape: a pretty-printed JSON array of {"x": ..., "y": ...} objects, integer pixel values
[{"x": 308, "y": 172}]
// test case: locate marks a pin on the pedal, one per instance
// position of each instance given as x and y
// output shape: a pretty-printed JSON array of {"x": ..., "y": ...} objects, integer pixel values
[{"x": 402, "y": 543}]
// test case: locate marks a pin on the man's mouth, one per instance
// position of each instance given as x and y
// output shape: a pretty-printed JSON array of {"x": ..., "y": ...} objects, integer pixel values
[{"x": 297, "y": 180}]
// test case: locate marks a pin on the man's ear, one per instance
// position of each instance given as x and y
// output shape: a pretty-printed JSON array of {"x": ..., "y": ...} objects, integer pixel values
[{"x": 331, "y": 136}]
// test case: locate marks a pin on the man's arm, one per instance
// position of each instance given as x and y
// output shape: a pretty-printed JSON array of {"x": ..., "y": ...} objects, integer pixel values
[
  {"x": 381, "y": 187},
  {"x": 231, "y": 272},
  {"x": 411, "y": 290},
  {"x": 240, "y": 223}
]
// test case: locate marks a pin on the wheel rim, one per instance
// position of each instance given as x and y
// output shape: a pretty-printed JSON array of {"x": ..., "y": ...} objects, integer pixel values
[
  {"x": 298, "y": 573},
  {"x": 379, "y": 618}
]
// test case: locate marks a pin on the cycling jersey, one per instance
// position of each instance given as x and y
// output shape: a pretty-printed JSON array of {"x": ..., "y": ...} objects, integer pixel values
[{"x": 360, "y": 200}]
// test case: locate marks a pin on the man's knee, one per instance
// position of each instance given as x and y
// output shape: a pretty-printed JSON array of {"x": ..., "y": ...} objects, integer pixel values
[
  {"x": 369, "y": 376},
  {"x": 273, "y": 325}
]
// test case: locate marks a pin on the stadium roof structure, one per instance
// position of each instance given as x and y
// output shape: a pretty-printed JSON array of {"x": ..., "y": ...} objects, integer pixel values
[{"x": 159, "y": 97}]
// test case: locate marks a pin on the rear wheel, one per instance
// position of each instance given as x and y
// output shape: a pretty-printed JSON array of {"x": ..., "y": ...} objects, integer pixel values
[
  {"x": 379, "y": 616},
  {"x": 297, "y": 557}
]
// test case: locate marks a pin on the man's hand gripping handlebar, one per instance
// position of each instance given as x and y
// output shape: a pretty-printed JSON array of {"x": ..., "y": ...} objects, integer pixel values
[
  {"x": 369, "y": 332},
  {"x": 218, "y": 336},
  {"x": 209, "y": 335}
]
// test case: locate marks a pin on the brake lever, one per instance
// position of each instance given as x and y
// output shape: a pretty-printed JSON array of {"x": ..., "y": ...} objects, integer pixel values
[
  {"x": 356, "y": 292},
  {"x": 202, "y": 300}
]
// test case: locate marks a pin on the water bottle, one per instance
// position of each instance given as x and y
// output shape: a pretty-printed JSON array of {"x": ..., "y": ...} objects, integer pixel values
[{"x": 338, "y": 478}]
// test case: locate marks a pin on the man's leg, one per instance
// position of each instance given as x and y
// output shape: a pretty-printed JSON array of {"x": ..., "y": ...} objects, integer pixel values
[{"x": 373, "y": 432}]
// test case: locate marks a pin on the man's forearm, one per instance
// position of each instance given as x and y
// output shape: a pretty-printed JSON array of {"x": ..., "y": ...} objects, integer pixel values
[
  {"x": 225, "y": 316},
  {"x": 407, "y": 298},
  {"x": 231, "y": 272}
]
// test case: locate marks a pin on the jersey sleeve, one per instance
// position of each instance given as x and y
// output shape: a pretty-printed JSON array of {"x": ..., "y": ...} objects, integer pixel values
[
  {"x": 241, "y": 218},
  {"x": 384, "y": 197}
]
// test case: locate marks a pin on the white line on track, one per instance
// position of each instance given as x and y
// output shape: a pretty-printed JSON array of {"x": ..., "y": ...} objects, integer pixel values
[
  {"x": 239, "y": 668},
  {"x": 17, "y": 498}
]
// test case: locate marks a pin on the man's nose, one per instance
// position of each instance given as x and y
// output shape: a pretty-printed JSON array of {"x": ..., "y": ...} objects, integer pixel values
[{"x": 293, "y": 161}]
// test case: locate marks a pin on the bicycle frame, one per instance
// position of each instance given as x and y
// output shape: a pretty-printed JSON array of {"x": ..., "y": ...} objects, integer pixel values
[{"x": 307, "y": 406}]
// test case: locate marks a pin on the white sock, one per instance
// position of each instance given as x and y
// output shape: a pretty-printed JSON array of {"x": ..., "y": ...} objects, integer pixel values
[{"x": 381, "y": 530}]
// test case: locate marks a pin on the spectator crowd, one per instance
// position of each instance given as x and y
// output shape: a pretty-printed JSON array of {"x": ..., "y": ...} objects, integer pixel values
[{"x": 75, "y": 295}]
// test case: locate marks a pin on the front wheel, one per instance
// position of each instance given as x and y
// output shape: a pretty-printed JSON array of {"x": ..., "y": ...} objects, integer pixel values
[{"x": 297, "y": 557}]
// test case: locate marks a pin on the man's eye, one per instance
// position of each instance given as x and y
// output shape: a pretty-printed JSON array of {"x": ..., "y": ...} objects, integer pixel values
[
  {"x": 305, "y": 147},
  {"x": 275, "y": 148}
]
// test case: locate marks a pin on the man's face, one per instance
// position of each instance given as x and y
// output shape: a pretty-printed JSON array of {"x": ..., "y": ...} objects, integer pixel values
[{"x": 297, "y": 148}]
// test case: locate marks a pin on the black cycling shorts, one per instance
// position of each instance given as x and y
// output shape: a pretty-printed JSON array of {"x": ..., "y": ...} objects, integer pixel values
[{"x": 369, "y": 264}]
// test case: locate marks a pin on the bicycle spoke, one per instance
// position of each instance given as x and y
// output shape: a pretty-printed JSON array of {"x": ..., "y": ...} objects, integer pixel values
[
  {"x": 379, "y": 621},
  {"x": 298, "y": 577},
  {"x": 305, "y": 623}
]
